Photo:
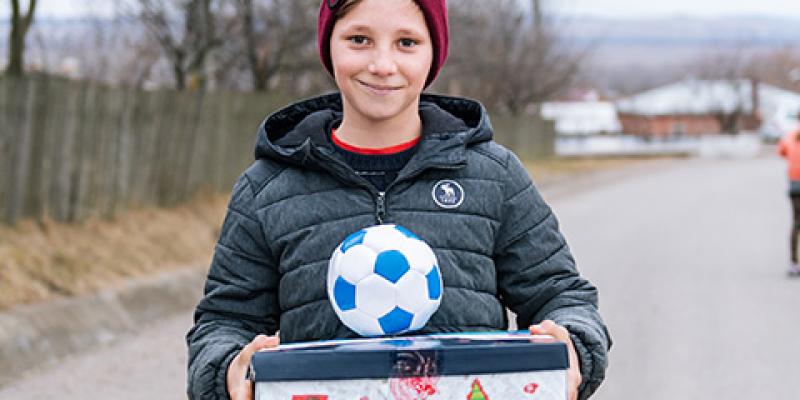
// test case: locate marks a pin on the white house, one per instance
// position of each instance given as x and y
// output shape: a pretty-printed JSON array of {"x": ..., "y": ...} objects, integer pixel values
[
  {"x": 582, "y": 118},
  {"x": 696, "y": 107}
]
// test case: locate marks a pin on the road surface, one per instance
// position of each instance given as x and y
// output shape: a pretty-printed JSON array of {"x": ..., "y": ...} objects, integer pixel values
[{"x": 689, "y": 258}]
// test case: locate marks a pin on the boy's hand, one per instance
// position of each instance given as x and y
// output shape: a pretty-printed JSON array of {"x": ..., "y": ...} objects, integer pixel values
[
  {"x": 548, "y": 327},
  {"x": 239, "y": 386}
]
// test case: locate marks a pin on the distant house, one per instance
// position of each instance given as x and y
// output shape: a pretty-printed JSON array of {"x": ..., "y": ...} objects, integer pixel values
[
  {"x": 698, "y": 107},
  {"x": 582, "y": 118}
]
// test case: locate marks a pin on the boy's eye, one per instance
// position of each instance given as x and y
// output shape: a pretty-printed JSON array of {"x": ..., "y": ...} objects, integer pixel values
[
  {"x": 408, "y": 42},
  {"x": 358, "y": 39}
]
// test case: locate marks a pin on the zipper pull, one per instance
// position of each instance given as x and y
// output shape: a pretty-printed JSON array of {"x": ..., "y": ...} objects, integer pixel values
[{"x": 381, "y": 207}]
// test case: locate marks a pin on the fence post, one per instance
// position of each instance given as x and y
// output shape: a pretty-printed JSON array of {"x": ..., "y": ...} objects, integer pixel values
[
  {"x": 21, "y": 165},
  {"x": 6, "y": 157}
]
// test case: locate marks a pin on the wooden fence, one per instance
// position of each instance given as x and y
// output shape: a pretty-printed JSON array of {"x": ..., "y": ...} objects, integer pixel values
[{"x": 69, "y": 150}]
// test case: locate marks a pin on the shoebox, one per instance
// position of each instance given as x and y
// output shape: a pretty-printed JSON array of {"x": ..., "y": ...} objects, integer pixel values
[{"x": 475, "y": 366}]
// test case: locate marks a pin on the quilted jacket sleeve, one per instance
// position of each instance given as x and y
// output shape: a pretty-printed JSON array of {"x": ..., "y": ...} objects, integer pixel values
[
  {"x": 240, "y": 298},
  {"x": 538, "y": 280}
]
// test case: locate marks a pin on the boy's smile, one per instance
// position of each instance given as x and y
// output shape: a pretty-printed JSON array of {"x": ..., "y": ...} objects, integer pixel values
[{"x": 380, "y": 90}]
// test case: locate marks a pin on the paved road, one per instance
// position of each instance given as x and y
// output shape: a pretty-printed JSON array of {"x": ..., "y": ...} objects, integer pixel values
[
  {"x": 150, "y": 365},
  {"x": 690, "y": 264},
  {"x": 689, "y": 259}
]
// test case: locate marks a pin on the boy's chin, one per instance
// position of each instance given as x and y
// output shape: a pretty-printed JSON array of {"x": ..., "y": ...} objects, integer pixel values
[{"x": 381, "y": 112}]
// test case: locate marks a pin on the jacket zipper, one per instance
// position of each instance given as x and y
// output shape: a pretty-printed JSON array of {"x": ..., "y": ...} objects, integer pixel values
[{"x": 380, "y": 207}]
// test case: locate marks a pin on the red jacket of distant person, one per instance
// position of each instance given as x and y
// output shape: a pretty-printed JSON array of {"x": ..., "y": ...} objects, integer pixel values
[{"x": 789, "y": 148}]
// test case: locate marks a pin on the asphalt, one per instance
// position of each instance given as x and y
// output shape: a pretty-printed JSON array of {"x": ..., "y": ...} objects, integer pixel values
[{"x": 690, "y": 261}]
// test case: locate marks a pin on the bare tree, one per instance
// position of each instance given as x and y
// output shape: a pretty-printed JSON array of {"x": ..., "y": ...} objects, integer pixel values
[
  {"x": 20, "y": 23},
  {"x": 776, "y": 66},
  {"x": 729, "y": 83},
  {"x": 277, "y": 36},
  {"x": 507, "y": 55},
  {"x": 187, "y": 33},
  {"x": 536, "y": 11}
]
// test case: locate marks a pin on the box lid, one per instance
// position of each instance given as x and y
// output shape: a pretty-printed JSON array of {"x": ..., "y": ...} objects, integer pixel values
[{"x": 441, "y": 354}]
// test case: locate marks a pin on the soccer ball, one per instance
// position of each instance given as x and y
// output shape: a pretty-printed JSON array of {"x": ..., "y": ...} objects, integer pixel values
[{"x": 384, "y": 280}]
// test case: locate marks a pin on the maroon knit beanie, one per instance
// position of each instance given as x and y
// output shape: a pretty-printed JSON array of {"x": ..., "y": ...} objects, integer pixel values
[{"x": 435, "y": 16}]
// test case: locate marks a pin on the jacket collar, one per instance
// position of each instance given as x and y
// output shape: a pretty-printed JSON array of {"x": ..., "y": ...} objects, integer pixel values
[{"x": 297, "y": 134}]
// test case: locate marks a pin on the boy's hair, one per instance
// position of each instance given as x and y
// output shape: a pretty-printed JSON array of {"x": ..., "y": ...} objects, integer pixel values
[
  {"x": 435, "y": 12},
  {"x": 345, "y": 8}
]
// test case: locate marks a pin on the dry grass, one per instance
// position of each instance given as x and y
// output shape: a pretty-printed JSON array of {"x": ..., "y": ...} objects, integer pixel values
[
  {"x": 42, "y": 261},
  {"x": 551, "y": 171},
  {"x": 39, "y": 262}
]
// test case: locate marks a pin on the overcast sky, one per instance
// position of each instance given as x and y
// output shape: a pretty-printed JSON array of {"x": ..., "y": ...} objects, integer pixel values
[
  {"x": 705, "y": 8},
  {"x": 607, "y": 8}
]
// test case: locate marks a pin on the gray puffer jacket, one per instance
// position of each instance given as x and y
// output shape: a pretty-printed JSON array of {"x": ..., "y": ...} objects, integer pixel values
[{"x": 497, "y": 246}]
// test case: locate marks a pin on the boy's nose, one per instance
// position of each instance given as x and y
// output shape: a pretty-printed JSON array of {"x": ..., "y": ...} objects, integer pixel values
[{"x": 382, "y": 64}]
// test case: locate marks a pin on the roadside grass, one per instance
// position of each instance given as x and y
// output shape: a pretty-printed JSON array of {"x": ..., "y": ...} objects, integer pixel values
[
  {"x": 44, "y": 261},
  {"x": 552, "y": 171},
  {"x": 49, "y": 260}
]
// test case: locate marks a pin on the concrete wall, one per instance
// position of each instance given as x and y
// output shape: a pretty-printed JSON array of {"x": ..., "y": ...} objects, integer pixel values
[{"x": 529, "y": 137}]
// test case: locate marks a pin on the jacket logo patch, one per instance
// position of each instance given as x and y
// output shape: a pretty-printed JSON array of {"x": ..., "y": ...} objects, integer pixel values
[{"x": 448, "y": 194}]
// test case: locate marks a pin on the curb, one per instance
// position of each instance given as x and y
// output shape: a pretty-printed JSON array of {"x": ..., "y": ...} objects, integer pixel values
[{"x": 45, "y": 333}]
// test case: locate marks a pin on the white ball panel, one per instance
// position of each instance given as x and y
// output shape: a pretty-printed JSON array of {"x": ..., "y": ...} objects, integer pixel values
[
  {"x": 422, "y": 316},
  {"x": 375, "y": 296},
  {"x": 357, "y": 264},
  {"x": 361, "y": 323},
  {"x": 412, "y": 291},
  {"x": 419, "y": 254},
  {"x": 384, "y": 237}
]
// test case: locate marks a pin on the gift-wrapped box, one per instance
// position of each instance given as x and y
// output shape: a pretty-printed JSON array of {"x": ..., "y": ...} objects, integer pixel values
[{"x": 480, "y": 366}]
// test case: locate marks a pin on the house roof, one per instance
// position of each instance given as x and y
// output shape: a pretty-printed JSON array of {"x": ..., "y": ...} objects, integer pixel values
[
  {"x": 707, "y": 96},
  {"x": 582, "y": 117}
]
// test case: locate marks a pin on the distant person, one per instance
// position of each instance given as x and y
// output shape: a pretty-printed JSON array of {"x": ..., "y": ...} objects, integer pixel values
[
  {"x": 381, "y": 151},
  {"x": 789, "y": 148}
]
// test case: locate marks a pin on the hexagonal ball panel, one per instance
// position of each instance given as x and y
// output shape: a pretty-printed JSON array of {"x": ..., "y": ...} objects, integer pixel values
[
  {"x": 375, "y": 296},
  {"x": 412, "y": 291},
  {"x": 362, "y": 323},
  {"x": 356, "y": 264}
]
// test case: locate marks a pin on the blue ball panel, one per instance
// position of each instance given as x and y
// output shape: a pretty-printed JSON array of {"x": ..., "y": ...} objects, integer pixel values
[
  {"x": 406, "y": 232},
  {"x": 352, "y": 240},
  {"x": 345, "y": 294},
  {"x": 391, "y": 265},
  {"x": 434, "y": 284},
  {"x": 396, "y": 321}
]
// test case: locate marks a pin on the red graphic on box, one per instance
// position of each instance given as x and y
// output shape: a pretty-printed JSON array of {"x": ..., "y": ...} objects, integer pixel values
[
  {"x": 531, "y": 388},
  {"x": 477, "y": 392},
  {"x": 413, "y": 388},
  {"x": 310, "y": 397}
]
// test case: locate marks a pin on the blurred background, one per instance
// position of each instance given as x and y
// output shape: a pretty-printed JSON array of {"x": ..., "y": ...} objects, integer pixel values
[{"x": 649, "y": 127}]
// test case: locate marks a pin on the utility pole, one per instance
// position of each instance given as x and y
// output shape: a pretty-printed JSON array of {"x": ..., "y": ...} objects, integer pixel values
[
  {"x": 19, "y": 28},
  {"x": 536, "y": 9}
]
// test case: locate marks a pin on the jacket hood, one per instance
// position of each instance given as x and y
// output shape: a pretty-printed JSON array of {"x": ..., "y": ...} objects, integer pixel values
[{"x": 297, "y": 132}]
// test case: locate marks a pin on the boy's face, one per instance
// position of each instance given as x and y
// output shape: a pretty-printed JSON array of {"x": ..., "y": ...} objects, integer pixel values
[{"x": 382, "y": 54}]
